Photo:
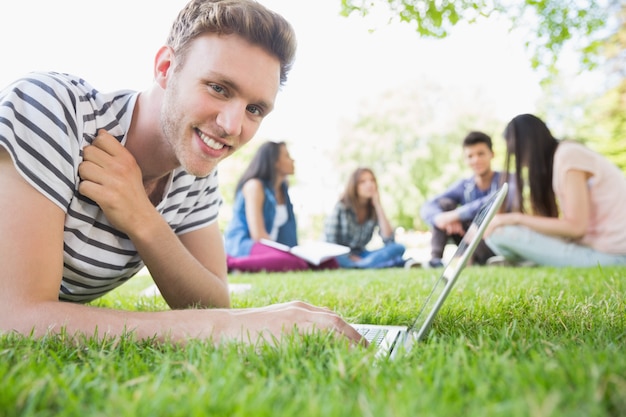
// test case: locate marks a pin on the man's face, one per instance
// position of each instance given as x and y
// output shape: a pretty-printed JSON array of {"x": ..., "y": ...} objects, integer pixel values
[
  {"x": 214, "y": 103},
  {"x": 478, "y": 157}
]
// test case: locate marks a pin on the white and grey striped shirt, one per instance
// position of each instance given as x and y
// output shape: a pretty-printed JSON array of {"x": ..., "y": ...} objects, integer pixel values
[{"x": 45, "y": 121}]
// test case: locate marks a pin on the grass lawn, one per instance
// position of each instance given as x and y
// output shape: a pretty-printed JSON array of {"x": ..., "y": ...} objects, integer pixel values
[{"x": 508, "y": 342}]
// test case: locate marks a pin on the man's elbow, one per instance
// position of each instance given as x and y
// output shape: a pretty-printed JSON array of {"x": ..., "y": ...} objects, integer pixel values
[
  {"x": 222, "y": 302},
  {"x": 214, "y": 299},
  {"x": 219, "y": 299}
]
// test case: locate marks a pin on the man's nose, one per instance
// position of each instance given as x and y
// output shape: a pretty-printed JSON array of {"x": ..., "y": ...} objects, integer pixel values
[{"x": 231, "y": 117}]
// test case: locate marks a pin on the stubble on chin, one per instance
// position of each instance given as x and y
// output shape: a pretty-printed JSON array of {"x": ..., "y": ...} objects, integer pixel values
[
  {"x": 180, "y": 136},
  {"x": 179, "y": 139}
]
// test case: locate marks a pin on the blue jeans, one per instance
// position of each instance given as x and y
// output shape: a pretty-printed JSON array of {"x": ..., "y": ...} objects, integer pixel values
[
  {"x": 389, "y": 255},
  {"x": 518, "y": 243}
]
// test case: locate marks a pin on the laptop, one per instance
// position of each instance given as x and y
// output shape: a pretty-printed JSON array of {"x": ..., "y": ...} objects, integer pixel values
[{"x": 393, "y": 339}]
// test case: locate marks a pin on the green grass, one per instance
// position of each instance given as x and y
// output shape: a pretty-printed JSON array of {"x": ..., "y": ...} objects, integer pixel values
[{"x": 508, "y": 342}]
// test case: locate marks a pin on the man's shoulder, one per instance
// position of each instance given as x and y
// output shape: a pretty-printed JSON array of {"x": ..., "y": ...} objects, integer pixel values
[
  {"x": 498, "y": 178},
  {"x": 58, "y": 84},
  {"x": 50, "y": 80},
  {"x": 453, "y": 189},
  {"x": 462, "y": 184}
]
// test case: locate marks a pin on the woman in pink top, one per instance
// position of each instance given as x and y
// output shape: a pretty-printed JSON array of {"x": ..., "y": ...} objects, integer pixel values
[{"x": 576, "y": 196}]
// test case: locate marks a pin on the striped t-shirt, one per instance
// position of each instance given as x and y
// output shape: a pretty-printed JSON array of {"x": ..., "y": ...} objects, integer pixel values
[{"x": 45, "y": 121}]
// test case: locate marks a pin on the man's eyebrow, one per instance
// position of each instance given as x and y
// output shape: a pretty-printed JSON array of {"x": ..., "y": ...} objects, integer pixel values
[{"x": 268, "y": 106}]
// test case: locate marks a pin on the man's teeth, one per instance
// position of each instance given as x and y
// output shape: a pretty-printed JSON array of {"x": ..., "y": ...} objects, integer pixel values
[{"x": 210, "y": 142}]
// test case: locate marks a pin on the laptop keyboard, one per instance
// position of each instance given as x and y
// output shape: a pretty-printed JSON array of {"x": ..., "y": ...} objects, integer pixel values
[{"x": 372, "y": 335}]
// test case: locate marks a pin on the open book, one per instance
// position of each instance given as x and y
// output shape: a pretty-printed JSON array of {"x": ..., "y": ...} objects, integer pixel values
[{"x": 314, "y": 252}]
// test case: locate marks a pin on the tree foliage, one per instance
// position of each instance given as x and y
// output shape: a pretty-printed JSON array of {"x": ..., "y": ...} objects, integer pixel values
[
  {"x": 550, "y": 24},
  {"x": 604, "y": 125}
]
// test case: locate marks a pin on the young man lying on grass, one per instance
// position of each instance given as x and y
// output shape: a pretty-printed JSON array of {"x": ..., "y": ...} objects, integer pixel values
[{"x": 94, "y": 186}]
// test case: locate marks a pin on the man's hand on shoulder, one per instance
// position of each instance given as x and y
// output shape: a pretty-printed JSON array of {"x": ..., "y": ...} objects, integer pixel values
[{"x": 111, "y": 177}]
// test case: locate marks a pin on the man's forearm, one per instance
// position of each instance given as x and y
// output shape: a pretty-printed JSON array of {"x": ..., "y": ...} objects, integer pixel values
[
  {"x": 182, "y": 279},
  {"x": 270, "y": 323},
  {"x": 42, "y": 318}
]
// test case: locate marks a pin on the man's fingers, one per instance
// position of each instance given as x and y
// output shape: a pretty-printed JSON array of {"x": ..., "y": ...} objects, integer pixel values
[
  {"x": 309, "y": 317},
  {"x": 326, "y": 318},
  {"x": 351, "y": 333},
  {"x": 102, "y": 148},
  {"x": 90, "y": 171},
  {"x": 106, "y": 142}
]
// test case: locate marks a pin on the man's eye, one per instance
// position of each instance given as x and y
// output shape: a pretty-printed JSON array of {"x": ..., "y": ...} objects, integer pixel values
[
  {"x": 217, "y": 88},
  {"x": 255, "y": 110}
]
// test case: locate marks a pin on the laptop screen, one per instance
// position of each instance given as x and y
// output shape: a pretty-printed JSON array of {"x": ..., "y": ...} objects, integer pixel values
[{"x": 459, "y": 259}]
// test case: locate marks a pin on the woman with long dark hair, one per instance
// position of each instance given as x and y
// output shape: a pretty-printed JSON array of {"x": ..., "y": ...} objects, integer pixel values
[
  {"x": 569, "y": 203},
  {"x": 263, "y": 210}
]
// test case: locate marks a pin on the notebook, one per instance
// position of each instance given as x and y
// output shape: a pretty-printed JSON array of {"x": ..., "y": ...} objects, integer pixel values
[
  {"x": 314, "y": 252},
  {"x": 393, "y": 339}
]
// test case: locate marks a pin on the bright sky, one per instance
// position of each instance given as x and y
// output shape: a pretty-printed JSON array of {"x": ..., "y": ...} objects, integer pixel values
[{"x": 339, "y": 64}]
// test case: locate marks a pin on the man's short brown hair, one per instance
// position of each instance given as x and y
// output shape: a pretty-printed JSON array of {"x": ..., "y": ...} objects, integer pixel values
[{"x": 246, "y": 18}]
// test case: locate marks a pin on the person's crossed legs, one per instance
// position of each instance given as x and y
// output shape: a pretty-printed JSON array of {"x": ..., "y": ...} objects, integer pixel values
[{"x": 439, "y": 240}]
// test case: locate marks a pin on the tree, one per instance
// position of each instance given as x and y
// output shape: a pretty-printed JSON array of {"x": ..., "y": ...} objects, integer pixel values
[
  {"x": 610, "y": 110},
  {"x": 598, "y": 120},
  {"x": 604, "y": 125},
  {"x": 551, "y": 24}
]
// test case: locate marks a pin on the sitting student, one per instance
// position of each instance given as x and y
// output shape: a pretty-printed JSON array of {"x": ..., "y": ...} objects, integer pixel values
[
  {"x": 449, "y": 214},
  {"x": 353, "y": 221},
  {"x": 263, "y": 210},
  {"x": 577, "y": 199}
]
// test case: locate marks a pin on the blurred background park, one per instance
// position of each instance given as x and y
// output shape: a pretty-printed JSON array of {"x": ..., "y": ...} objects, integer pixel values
[{"x": 390, "y": 84}]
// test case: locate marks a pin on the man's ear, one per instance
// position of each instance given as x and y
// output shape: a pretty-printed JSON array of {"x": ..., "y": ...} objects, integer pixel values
[{"x": 163, "y": 65}]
